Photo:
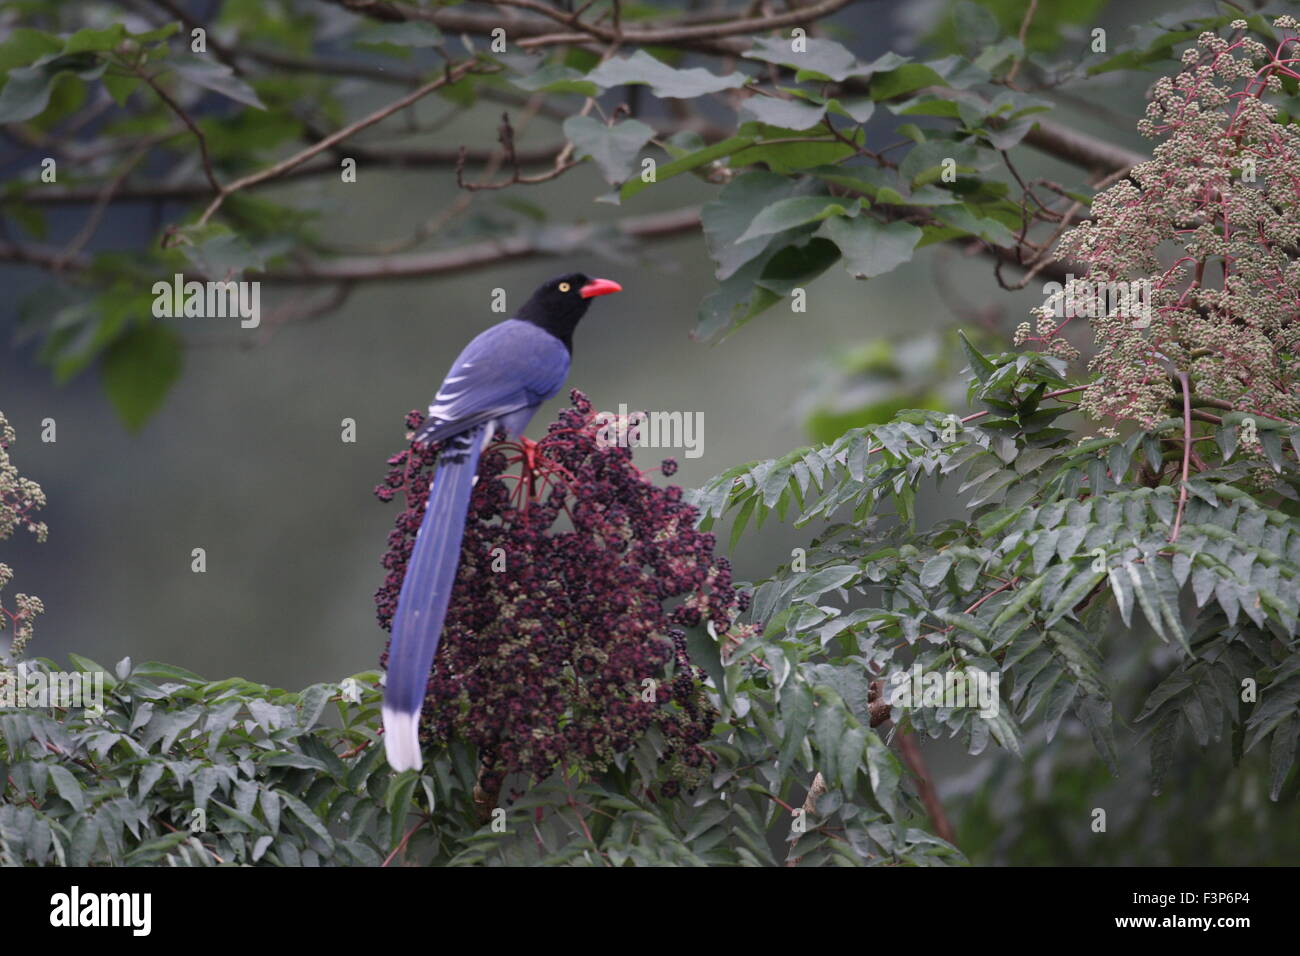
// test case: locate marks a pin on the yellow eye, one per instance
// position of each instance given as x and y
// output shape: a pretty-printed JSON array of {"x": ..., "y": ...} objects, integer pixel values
[{"x": 565, "y": 287}]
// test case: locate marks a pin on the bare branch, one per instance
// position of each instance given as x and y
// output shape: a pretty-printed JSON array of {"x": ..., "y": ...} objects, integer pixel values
[
  {"x": 536, "y": 31},
  {"x": 185, "y": 118},
  {"x": 106, "y": 194},
  {"x": 390, "y": 157},
  {"x": 297, "y": 159},
  {"x": 1080, "y": 149},
  {"x": 482, "y": 254}
]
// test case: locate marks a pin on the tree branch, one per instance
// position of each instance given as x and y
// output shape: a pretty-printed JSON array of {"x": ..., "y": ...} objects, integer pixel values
[
  {"x": 451, "y": 75},
  {"x": 1185, "y": 382},
  {"x": 481, "y": 254},
  {"x": 911, "y": 755},
  {"x": 1080, "y": 149},
  {"x": 531, "y": 32},
  {"x": 394, "y": 157}
]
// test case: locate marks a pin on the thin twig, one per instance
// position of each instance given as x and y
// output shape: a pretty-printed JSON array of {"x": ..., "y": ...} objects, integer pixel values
[
  {"x": 297, "y": 159},
  {"x": 185, "y": 118},
  {"x": 1187, "y": 453},
  {"x": 1024, "y": 31},
  {"x": 87, "y": 231}
]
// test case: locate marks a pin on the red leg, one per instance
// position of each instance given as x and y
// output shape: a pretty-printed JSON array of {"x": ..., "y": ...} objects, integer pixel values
[{"x": 531, "y": 457}]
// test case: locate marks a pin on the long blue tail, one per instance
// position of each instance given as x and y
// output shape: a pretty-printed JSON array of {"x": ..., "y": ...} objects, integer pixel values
[{"x": 426, "y": 590}]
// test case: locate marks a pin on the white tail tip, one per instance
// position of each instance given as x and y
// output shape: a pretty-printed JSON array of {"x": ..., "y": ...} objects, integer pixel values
[{"x": 402, "y": 740}]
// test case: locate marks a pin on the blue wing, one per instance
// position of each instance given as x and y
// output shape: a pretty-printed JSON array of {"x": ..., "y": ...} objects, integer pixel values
[{"x": 502, "y": 375}]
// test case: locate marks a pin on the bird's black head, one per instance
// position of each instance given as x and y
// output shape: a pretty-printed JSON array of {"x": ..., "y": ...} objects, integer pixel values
[{"x": 557, "y": 305}]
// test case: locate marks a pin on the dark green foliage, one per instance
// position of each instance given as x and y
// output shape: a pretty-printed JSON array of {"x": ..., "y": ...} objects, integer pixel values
[
  {"x": 1058, "y": 536},
  {"x": 299, "y": 779}
]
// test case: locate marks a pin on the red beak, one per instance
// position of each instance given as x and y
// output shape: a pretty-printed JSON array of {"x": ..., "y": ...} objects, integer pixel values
[{"x": 599, "y": 287}]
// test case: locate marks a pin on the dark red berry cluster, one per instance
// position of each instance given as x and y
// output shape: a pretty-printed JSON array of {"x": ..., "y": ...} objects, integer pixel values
[{"x": 564, "y": 642}]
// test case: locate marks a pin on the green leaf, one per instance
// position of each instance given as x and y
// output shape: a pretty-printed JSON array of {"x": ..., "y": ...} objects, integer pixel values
[
  {"x": 936, "y": 569},
  {"x": 871, "y": 248},
  {"x": 788, "y": 213},
  {"x": 789, "y": 150},
  {"x": 664, "y": 81},
  {"x": 95, "y": 41},
  {"x": 734, "y": 302},
  {"x": 983, "y": 227},
  {"x": 1121, "y": 584},
  {"x": 156, "y": 670},
  {"x": 139, "y": 369},
  {"x": 851, "y": 751},
  {"x": 695, "y": 160},
  {"x": 828, "y": 733},
  {"x": 25, "y": 46},
  {"x": 726, "y": 217},
  {"x": 1078, "y": 589},
  {"x": 309, "y": 819},
  {"x": 825, "y": 580},
  {"x": 613, "y": 148},
  {"x": 926, "y": 162},
  {"x": 980, "y": 367},
  {"x": 401, "y": 791},
  {"x": 815, "y": 59},
  {"x": 1095, "y": 713},
  {"x": 28, "y": 90},
  {"x": 703, "y": 651},
  {"x": 859, "y": 109},
  {"x": 885, "y": 772},
  {"x": 796, "y": 265},
  {"x": 85, "y": 838},
  {"x": 66, "y": 784},
  {"x": 1021, "y": 601},
  {"x": 791, "y": 114},
  {"x": 121, "y": 87},
  {"x": 216, "y": 77},
  {"x": 300, "y": 761},
  {"x": 1281, "y": 754},
  {"x": 164, "y": 32},
  {"x": 796, "y": 715},
  {"x": 554, "y": 78}
]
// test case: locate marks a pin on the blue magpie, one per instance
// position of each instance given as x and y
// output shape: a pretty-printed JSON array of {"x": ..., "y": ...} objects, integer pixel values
[{"x": 497, "y": 383}]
